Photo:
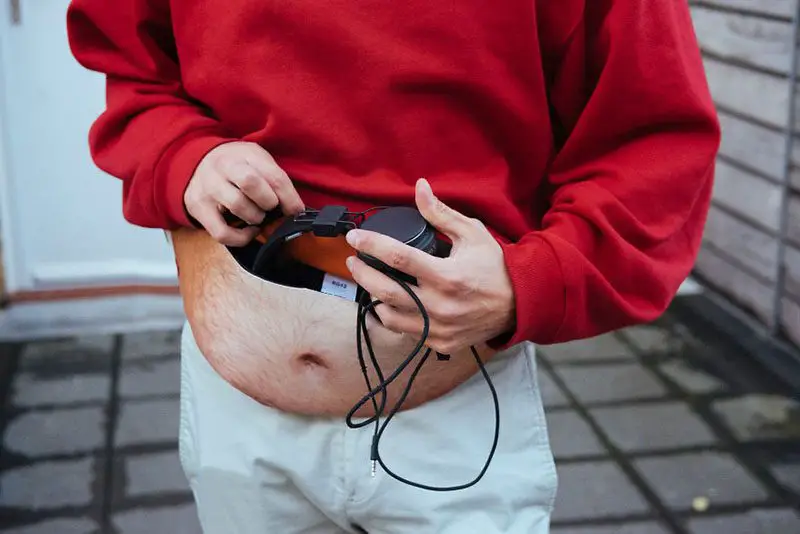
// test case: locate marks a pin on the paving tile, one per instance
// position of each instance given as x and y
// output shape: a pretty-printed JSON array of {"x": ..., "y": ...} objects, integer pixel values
[
  {"x": 650, "y": 338},
  {"x": 68, "y": 356},
  {"x": 595, "y": 489},
  {"x": 691, "y": 380},
  {"x": 571, "y": 436},
  {"x": 53, "y": 348},
  {"x": 142, "y": 378},
  {"x": 622, "y": 528},
  {"x": 31, "y": 391},
  {"x": 788, "y": 475},
  {"x": 603, "y": 347},
  {"x": 143, "y": 422},
  {"x": 652, "y": 427},
  {"x": 154, "y": 473},
  {"x": 552, "y": 396},
  {"x": 48, "y": 485},
  {"x": 175, "y": 520},
  {"x": 157, "y": 344},
  {"x": 679, "y": 479},
  {"x": 761, "y": 417},
  {"x": 613, "y": 382},
  {"x": 752, "y": 522},
  {"x": 57, "y": 526},
  {"x": 63, "y": 431}
]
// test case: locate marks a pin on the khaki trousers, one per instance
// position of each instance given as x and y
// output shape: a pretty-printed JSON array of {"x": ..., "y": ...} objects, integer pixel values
[{"x": 256, "y": 470}]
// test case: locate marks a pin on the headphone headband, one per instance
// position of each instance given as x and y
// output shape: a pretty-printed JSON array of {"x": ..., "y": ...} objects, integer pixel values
[{"x": 330, "y": 221}]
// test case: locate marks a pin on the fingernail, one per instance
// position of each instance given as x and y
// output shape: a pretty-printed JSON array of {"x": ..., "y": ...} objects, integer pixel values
[
  {"x": 353, "y": 237},
  {"x": 350, "y": 262},
  {"x": 427, "y": 191}
]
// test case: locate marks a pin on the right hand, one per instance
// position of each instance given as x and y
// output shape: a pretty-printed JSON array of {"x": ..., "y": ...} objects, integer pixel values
[{"x": 243, "y": 178}]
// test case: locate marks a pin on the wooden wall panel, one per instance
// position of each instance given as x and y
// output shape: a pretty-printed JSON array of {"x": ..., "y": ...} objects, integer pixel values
[
  {"x": 795, "y": 178},
  {"x": 778, "y": 8},
  {"x": 755, "y": 95},
  {"x": 791, "y": 320},
  {"x": 792, "y": 265},
  {"x": 753, "y": 146},
  {"x": 793, "y": 232},
  {"x": 751, "y": 196},
  {"x": 747, "y": 52},
  {"x": 750, "y": 292},
  {"x": 753, "y": 249},
  {"x": 762, "y": 43}
]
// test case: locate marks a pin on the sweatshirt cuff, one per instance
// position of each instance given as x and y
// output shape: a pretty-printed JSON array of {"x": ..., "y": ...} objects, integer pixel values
[
  {"x": 539, "y": 292},
  {"x": 176, "y": 169}
]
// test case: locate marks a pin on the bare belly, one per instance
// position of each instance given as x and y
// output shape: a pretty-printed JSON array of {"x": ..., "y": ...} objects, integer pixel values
[{"x": 290, "y": 348}]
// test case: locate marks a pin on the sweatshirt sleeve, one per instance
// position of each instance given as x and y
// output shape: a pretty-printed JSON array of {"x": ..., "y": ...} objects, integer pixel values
[
  {"x": 151, "y": 134},
  {"x": 630, "y": 185}
]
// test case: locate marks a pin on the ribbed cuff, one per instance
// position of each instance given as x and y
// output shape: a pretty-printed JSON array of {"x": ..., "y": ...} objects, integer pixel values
[
  {"x": 539, "y": 292},
  {"x": 176, "y": 169}
]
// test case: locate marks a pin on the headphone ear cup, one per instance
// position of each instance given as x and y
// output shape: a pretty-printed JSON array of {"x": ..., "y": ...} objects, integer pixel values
[{"x": 405, "y": 224}]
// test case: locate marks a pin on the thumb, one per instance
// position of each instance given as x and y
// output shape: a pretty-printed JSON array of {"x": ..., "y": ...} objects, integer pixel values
[{"x": 444, "y": 218}]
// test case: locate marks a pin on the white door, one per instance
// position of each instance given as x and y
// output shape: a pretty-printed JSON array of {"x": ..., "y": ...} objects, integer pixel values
[{"x": 62, "y": 223}]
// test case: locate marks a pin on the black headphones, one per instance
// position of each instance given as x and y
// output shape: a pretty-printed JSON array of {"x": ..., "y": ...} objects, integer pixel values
[{"x": 402, "y": 223}]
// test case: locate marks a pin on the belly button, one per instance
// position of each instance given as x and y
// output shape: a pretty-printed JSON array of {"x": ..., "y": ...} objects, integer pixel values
[{"x": 312, "y": 360}]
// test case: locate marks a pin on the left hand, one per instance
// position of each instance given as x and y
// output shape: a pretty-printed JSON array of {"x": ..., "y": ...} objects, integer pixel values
[{"x": 468, "y": 295}]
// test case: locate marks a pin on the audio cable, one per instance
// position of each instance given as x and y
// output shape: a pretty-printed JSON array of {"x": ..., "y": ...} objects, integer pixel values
[
  {"x": 336, "y": 223},
  {"x": 365, "y": 306}
]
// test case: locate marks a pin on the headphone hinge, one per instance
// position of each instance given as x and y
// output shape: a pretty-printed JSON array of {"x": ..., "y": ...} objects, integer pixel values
[{"x": 330, "y": 221}]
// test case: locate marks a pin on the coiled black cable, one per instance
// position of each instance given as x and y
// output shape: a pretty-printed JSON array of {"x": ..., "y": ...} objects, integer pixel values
[{"x": 365, "y": 307}]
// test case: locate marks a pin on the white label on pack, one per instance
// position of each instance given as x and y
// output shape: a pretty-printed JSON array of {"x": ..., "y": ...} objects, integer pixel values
[{"x": 339, "y": 287}]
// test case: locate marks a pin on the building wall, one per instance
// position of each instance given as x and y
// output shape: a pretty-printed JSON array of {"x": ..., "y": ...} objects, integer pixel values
[{"x": 747, "y": 50}]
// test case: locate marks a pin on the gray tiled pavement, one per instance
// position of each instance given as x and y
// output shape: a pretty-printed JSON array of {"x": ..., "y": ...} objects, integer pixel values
[{"x": 649, "y": 438}]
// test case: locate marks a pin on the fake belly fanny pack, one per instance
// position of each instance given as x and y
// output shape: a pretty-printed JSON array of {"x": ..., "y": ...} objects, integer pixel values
[{"x": 309, "y": 251}]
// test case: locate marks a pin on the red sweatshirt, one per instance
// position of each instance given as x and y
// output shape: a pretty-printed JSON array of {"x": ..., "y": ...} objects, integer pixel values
[{"x": 581, "y": 132}]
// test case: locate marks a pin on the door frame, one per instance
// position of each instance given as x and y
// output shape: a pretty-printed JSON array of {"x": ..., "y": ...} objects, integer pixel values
[
  {"x": 6, "y": 250},
  {"x": 148, "y": 281}
]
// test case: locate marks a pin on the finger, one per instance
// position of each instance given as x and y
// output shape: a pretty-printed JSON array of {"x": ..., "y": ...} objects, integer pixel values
[
  {"x": 381, "y": 287},
  {"x": 440, "y": 338},
  {"x": 252, "y": 183},
  {"x": 278, "y": 180},
  {"x": 403, "y": 321},
  {"x": 229, "y": 196},
  {"x": 444, "y": 218},
  {"x": 212, "y": 221},
  {"x": 395, "y": 254}
]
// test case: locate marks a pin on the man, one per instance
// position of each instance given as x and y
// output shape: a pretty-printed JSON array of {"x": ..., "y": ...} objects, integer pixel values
[{"x": 567, "y": 149}]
